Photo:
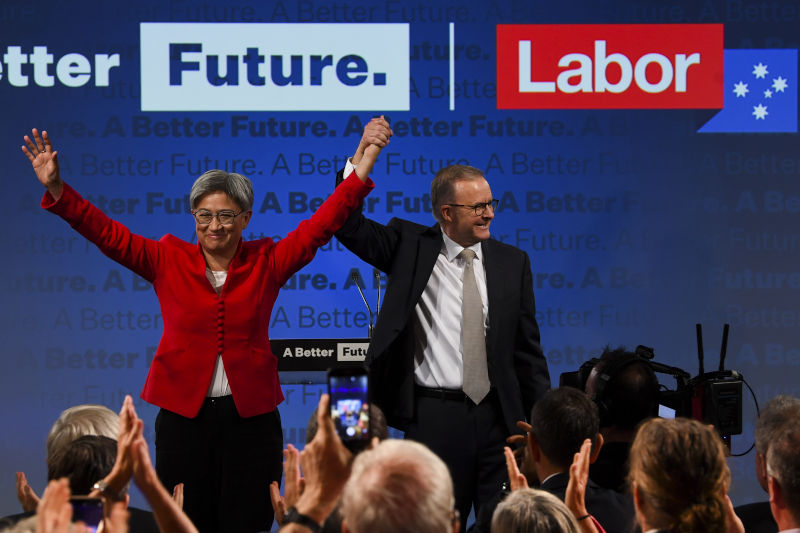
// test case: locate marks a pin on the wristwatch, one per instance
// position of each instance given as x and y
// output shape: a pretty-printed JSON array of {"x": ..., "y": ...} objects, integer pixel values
[
  {"x": 293, "y": 517},
  {"x": 103, "y": 487}
]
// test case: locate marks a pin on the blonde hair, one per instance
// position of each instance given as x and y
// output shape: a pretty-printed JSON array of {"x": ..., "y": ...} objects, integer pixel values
[
  {"x": 678, "y": 467},
  {"x": 80, "y": 420}
]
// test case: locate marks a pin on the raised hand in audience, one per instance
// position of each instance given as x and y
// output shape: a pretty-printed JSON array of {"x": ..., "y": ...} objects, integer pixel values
[
  {"x": 54, "y": 512},
  {"x": 325, "y": 463},
  {"x": 117, "y": 518},
  {"x": 177, "y": 494},
  {"x": 516, "y": 480},
  {"x": 133, "y": 460},
  {"x": 575, "y": 497},
  {"x": 293, "y": 484},
  {"x": 735, "y": 524},
  {"x": 25, "y": 494}
]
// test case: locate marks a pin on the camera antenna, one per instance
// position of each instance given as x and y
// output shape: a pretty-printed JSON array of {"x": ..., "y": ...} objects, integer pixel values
[
  {"x": 699, "y": 329},
  {"x": 724, "y": 350}
]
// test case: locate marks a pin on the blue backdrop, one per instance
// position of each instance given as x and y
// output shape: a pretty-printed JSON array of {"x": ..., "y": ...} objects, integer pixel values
[{"x": 638, "y": 224}]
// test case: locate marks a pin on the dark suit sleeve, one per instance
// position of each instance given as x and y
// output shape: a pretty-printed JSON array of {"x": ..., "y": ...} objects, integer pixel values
[
  {"x": 529, "y": 361},
  {"x": 372, "y": 242}
]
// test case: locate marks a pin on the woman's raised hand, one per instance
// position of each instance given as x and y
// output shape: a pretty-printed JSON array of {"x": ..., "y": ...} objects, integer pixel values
[{"x": 44, "y": 160}]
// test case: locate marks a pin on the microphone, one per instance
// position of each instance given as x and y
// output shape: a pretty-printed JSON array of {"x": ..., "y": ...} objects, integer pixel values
[
  {"x": 378, "y": 283},
  {"x": 356, "y": 279}
]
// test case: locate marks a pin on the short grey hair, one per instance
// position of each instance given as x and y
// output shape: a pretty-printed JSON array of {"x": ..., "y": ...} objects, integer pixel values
[
  {"x": 775, "y": 414},
  {"x": 533, "y": 511},
  {"x": 443, "y": 185},
  {"x": 237, "y": 187},
  {"x": 400, "y": 486},
  {"x": 783, "y": 464},
  {"x": 81, "y": 420}
]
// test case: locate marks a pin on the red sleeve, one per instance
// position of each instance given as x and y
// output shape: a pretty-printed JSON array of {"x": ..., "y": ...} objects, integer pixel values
[
  {"x": 597, "y": 524},
  {"x": 112, "y": 238},
  {"x": 297, "y": 249}
]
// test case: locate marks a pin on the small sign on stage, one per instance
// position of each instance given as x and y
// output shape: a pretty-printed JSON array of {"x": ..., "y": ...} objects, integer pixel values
[{"x": 301, "y": 355}]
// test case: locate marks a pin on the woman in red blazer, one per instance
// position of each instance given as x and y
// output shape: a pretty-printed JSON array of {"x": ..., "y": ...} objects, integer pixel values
[{"x": 214, "y": 376}]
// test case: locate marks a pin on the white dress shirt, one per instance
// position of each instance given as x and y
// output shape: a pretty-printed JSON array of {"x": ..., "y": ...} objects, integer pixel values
[
  {"x": 437, "y": 318},
  {"x": 219, "y": 380}
]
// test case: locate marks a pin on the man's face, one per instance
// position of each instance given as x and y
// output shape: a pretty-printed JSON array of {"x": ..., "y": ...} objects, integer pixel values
[{"x": 461, "y": 223}]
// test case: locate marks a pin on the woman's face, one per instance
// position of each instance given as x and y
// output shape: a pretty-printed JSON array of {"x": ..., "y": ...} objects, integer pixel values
[{"x": 216, "y": 238}]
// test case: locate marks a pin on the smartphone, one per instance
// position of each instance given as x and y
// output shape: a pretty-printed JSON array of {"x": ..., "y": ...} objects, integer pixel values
[
  {"x": 349, "y": 392},
  {"x": 88, "y": 510}
]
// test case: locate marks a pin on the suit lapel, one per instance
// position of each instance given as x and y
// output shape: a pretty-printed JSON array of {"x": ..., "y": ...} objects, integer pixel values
[
  {"x": 430, "y": 244},
  {"x": 494, "y": 285}
]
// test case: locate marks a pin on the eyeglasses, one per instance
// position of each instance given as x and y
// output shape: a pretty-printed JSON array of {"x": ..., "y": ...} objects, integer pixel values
[
  {"x": 225, "y": 218},
  {"x": 479, "y": 208}
]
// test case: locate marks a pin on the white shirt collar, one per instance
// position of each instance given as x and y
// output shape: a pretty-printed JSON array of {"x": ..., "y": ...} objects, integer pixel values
[{"x": 452, "y": 248}]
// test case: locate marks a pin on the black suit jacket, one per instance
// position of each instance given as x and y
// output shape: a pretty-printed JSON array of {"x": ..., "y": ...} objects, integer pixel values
[
  {"x": 757, "y": 518},
  {"x": 407, "y": 253},
  {"x": 613, "y": 510},
  {"x": 140, "y": 521}
]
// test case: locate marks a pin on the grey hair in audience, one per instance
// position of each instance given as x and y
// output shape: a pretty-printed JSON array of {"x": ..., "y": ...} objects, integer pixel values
[
  {"x": 783, "y": 464},
  {"x": 237, "y": 187},
  {"x": 80, "y": 420},
  {"x": 533, "y": 511},
  {"x": 400, "y": 486},
  {"x": 777, "y": 412}
]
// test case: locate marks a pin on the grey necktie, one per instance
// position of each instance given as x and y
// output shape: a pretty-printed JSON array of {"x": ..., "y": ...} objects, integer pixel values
[{"x": 476, "y": 374}]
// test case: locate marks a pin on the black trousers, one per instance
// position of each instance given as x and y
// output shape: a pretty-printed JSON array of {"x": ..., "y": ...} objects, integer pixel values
[
  {"x": 226, "y": 463},
  {"x": 469, "y": 438}
]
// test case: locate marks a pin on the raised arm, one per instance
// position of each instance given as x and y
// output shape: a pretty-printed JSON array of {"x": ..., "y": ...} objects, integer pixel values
[
  {"x": 298, "y": 247},
  {"x": 112, "y": 238},
  {"x": 133, "y": 460},
  {"x": 44, "y": 160},
  {"x": 376, "y": 136}
]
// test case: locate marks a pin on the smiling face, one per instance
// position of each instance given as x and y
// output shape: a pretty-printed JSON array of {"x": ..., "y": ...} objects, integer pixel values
[
  {"x": 460, "y": 223},
  {"x": 216, "y": 239}
]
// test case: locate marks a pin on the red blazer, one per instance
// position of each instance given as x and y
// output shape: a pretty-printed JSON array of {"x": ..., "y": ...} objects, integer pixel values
[{"x": 197, "y": 323}]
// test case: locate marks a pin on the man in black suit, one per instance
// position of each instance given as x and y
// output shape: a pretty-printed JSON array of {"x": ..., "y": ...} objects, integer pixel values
[
  {"x": 783, "y": 477},
  {"x": 459, "y": 390},
  {"x": 560, "y": 422},
  {"x": 757, "y": 517}
]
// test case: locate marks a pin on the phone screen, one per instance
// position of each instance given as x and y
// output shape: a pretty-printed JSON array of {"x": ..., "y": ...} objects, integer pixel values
[
  {"x": 87, "y": 510},
  {"x": 350, "y": 405},
  {"x": 665, "y": 412}
]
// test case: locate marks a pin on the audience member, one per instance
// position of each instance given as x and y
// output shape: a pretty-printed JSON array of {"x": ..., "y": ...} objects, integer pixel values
[
  {"x": 396, "y": 486},
  {"x": 81, "y": 446},
  {"x": 293, "y": 481},
  {"x": 326, "y": 466},
  {"x": 133, "y": 461},
  {"x": 560, "y": 422},
  {"x": 84, "y": 461},
  {"x": 575, "y": 496},
  {"x": 783, "y": 476},
  {"x": 533, "y": 511},
  {"x": 757, "y": 517},
  {"x": 625, "y": 389},
  {"x": 679, "y": 478},
  {"x": 80, "y": 420},
  {"x": 399, "y": 486},
  {"x": 77, "y": 421},
  {"x": 88, "y": 458}
]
